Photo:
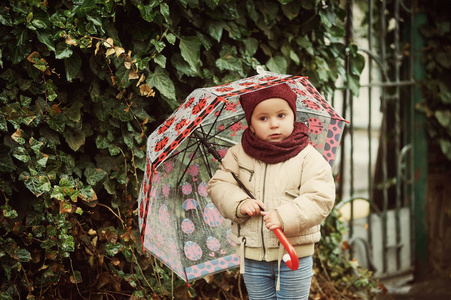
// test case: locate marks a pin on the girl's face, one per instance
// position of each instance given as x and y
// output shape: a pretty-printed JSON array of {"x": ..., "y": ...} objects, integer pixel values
[{"x": 272, "y": 120}]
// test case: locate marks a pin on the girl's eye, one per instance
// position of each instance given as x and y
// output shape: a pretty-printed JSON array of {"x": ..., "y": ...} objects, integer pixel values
[
  {"x": 281, "y": 115},
  {"x": 263, "y": 118}
]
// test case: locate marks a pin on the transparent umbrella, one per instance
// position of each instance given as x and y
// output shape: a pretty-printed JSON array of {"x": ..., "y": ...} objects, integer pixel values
[{"x": 179, "y": 223}]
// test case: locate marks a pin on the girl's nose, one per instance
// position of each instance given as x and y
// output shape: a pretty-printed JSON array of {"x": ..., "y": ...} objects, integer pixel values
[{"x": 274, "y": 123}]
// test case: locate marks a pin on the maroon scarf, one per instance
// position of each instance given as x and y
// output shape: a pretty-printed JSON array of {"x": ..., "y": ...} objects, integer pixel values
[{"x": 276, "y": 152}]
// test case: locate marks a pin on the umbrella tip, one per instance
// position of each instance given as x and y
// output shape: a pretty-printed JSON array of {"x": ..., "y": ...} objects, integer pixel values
[{"x": 261, "y": 71}]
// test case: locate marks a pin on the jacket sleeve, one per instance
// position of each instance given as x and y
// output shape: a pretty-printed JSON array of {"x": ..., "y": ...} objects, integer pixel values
[
  {"x": 224, "y": 191},
  {"x": 316, "y": 196}
]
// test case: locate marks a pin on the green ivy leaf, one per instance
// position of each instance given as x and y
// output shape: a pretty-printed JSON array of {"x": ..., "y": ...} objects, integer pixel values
[
  {"x": 171, "y": 38},
  {"x": 9, "y": 212},
  {"x": 113, "y": 249},
  {"x": 72, "y": 66},
  {"x": 161, "y": 81},
  {"x": 73, "y": 112},
  {"x": 21, "y": 49},
  {"x": 109, "y": 186},
  {"x": 101, "y": 142},
  {"x": 354, "y": 84},
  {"x": 21, "y": 154},
  {"x": 251, "y": 46},
  {"x": 37, "y": 184},
  {"x": 23, "y": 255},
  {"x": 94, "y": 175},
  {"x": 62, "y": 51},
  {"x": 190, "y": 50},
  {"x": 58, "y": 193},
  {"x": 182, "y": 66},
  {"x": 277, "y": 64},
  {"x": 229, "y": 62},
  {"x": 57, "y": 122},
  {"x": 215, "y": 28},
  {"x": 327, "y": 17},
  {"x": 87, "y": 193},
  {"x": 357, "y": 64},
  {"x": 291, "y": 8},
  {"x": 160, "y": 60},
  {"x": 147, "y": 11},
  {"x": 6, "y": 162},
  {"x": 444, "y": 118},
  {"x": 165, "y": 12},
  {"x": 75, "y": 139},
  {"x": 46, "y": 37},
  {"x": 85, "y": 7},
  {"x": 445, "y": 146}
]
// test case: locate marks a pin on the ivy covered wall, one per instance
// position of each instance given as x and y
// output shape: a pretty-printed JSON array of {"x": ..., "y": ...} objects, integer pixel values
[{"x": 82, "y": 84}]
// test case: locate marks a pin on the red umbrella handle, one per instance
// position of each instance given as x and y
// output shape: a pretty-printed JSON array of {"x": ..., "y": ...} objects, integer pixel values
[{"x": 293, "y": 263}]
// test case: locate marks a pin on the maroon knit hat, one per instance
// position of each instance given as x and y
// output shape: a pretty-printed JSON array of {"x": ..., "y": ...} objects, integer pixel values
[{"x": 250, "y": 100}]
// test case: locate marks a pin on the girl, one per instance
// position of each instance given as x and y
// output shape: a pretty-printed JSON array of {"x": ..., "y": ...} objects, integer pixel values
[{"x": 293, "y": 188}]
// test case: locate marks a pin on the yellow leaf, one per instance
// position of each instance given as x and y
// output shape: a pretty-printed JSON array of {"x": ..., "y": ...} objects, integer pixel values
[
  {"x": 70, "y": 41},
  {"x": 146, "y": 90},
  {"x": 17, "y": 135},
  {"x": 92, "y": 232},
  {"x": 115, "y": 261},
  {"x": 110, "y": 51},
  {"x": 128, "y": 65},
  {"x": 119, "y": 51},
  {"x": 133, "y": 74},
  {"x": 97, "y": 48},
  {"x": 43, "y": 267},
  {"x": 110, "y": 42},
  {"x": 141, "y": 79},
  {"x": 113, "y": 80}
]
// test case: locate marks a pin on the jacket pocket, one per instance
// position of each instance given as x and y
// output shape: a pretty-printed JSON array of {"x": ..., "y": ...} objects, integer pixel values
[{"x": 246, "y": 173}]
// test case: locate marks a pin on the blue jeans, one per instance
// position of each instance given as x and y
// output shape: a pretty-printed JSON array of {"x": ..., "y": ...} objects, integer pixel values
[{"x": 260, "y": 278}]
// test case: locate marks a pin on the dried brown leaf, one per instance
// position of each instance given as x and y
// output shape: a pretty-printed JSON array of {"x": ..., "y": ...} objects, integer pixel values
[
  {"x": 141, "y": 79},
  {"x": 146, "y": 90},
  {"x": 110, "y": 51},
  {"x": 133, "y": 74},
  {"x": 119, "y": 51},
  {"x": 70, "y": 41}
]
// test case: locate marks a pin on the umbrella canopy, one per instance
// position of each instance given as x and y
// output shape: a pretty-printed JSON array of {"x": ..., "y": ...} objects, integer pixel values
[{"x": 179, "y": 224}]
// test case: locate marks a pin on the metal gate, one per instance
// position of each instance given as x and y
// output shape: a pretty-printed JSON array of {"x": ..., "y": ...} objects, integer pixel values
[{"x": 377, "y": 182}]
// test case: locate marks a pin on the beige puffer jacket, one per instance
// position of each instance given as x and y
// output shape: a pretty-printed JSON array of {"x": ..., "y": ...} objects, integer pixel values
[{"x": 301, "y": 189}]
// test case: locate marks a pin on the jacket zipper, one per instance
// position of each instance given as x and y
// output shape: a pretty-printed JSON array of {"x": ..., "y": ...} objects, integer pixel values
[{"x": 263, "y": 223}]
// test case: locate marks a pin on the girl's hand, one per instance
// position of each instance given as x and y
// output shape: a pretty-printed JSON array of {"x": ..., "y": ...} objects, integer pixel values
[
  {"x": 252, "y": 207},
  {"x": 271, "y": 219}
]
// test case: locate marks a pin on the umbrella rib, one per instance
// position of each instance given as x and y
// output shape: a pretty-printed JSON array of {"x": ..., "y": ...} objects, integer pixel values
[
  {"x": 190, "y": 161},
  {"x": 204, "y": 154},
  {"x": 223, "y": 119}
]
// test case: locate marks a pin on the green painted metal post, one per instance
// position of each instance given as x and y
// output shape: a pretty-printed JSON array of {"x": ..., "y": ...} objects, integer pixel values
[{"x": 420, "y": 166}]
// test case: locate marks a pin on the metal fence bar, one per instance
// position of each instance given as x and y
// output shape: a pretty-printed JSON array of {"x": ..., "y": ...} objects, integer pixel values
[
  {"x": 396, "y": 62},
  {"x": 383, "y": 56},
  {"x": 370, "y": 125},
  {"x": 394, "y": 165}
]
